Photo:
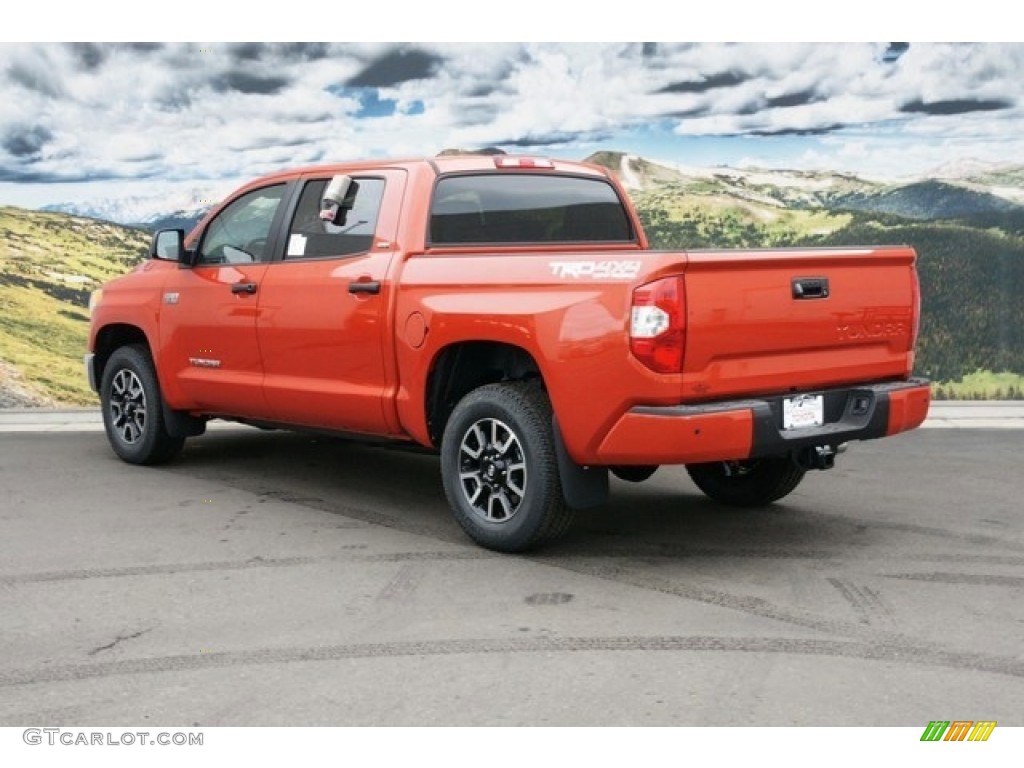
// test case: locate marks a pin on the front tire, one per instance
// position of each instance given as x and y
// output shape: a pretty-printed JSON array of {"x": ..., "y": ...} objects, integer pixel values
[
  {"x": 133, "y": 408},
  {"x": 500, "y": 469},
  {"x": 747, "y": 483}
]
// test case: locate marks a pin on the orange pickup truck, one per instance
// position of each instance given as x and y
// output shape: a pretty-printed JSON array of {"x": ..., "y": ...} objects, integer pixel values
[{"x": 507, "y": 312}]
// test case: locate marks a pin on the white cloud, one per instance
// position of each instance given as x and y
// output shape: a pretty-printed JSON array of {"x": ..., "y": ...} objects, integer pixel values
[{"x": 194, "y": 112}]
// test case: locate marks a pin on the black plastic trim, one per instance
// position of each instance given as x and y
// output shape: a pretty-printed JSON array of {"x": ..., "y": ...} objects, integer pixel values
[
  {"x": 582, "y": 487},
  {"x": 181, "y": 424},
  {"x": 842, "y": 422}
]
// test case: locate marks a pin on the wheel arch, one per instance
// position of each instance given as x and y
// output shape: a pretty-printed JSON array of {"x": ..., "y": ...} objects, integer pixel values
[
  {"x": 459, "y": 368},
  {"x": 113, "y": 336}
]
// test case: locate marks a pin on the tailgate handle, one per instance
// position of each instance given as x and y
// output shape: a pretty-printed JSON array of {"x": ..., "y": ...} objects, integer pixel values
[{"x": 810, "y": 287}]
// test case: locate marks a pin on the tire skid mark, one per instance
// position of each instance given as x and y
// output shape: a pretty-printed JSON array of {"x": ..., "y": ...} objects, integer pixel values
[
  {"x": 699, "y": 643},
  {"x": 243, "y": 483},
  {"x": 171, "y": 569},
  {"x": 943, "y": 533},
  {"x": 403, "y": 584},
  {"x": 678, "y": 551},
  {"x": 981, "y": 579},
  {"x": 359, "y": 517},
  {"x": 754, "y": 606},
  {"x": 618, "y": 571},
  {"x": 401, "y": 557},
  {"x": 264, "y": 494},
  {"x": 904, "y": 646},
  {"x": 156, "y": 569},
  {"x": 549, "y": 598},
  {"x": 864, "y": 600},
  {"x": 54, "y": 716},
  {"x": 964, "y": 558}
]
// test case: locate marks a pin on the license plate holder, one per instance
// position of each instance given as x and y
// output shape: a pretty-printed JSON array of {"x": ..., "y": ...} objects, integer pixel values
[{"x": 803, "y": 412}]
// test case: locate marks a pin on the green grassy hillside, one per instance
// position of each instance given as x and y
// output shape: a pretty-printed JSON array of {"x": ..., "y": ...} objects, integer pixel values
[
  {"x": 49, "y": 264},
  {"x": 678, "y": 217}
]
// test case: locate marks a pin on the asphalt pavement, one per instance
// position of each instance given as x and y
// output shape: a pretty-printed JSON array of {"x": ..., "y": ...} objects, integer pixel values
[{"x": 269, "y": 578}]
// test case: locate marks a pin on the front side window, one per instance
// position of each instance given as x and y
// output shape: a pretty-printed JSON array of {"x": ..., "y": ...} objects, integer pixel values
[
  {"x": 309, "y": 237},
  {"x": 240, "y": 232},
  {"x": 526, "y": 208}
]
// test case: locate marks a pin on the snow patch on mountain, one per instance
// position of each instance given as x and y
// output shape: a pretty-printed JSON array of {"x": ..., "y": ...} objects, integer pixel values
[{"x": 143, "y": 210}]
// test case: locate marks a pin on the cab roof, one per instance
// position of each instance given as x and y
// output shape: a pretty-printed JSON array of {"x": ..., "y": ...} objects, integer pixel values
[{"x": 441, "y": 165}]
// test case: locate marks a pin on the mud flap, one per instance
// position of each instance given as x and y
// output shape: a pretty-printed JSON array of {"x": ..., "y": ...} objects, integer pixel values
[
  {"x": 582, "y": 487},
  {"x": 179, "y": 424}
]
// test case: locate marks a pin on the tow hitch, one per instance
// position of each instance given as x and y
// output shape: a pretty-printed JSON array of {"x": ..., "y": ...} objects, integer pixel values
[{"x": 816, "y": 457}]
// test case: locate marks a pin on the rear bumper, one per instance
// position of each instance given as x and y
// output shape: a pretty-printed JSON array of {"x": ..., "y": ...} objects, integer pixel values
[{"x": 742, "y": 429}]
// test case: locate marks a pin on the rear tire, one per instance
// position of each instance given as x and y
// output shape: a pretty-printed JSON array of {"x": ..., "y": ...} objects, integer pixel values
[
  {"x": 500, "y": 469},
  {"x": 133, "y": 408},
  {"x": 748, "y": 483}
]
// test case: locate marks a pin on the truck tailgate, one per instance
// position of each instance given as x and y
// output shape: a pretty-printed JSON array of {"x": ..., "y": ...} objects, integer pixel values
[{"x": 772, "y": 321}]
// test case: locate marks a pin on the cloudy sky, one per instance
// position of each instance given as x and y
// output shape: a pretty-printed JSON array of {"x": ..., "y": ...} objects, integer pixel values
[{"x": 81, "y": 121}]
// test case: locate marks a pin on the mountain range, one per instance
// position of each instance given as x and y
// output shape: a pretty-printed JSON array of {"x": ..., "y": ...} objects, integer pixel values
[
  {"x": 966, "y": 188},
  {"x": 949, "y": 192},
  {"x": 150, "y": 212}
]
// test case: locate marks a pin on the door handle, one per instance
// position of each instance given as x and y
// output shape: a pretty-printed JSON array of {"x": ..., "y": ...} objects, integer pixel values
[
  {"x": 243, "y": 288},
  {"x": 364, "y": 286}
]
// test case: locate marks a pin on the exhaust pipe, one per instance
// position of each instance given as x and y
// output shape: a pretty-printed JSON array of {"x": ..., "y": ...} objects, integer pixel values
[{"x": 816, "y": 457}]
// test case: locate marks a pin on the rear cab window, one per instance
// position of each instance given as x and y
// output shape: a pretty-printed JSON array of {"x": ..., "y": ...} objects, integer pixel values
[{"x": 520, "y": 208}]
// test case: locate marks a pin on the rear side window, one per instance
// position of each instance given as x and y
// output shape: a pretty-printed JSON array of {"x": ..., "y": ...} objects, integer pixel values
[
  {"x": 526, "y": 208},
  {"x": 309, "y": 237}
]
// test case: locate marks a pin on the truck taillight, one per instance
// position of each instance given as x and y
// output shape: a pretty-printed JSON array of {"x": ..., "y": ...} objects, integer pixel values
[{"x": 657, "y": 327}]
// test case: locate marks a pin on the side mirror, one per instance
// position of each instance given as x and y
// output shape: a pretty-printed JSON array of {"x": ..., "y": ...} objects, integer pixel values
[
  {"x": 338, "y": 199},
  {"x": 168, "y": 245}
]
